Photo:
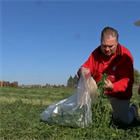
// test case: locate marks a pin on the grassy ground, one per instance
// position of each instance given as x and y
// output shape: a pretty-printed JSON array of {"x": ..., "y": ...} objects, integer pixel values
[{"x": 20, "y": 111}]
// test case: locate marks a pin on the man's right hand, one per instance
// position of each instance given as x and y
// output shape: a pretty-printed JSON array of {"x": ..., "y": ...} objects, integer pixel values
[{"x": 85, "y": 71}]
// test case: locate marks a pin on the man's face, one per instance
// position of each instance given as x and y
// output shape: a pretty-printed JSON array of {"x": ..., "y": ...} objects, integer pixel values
[{"x": 109, "y": 45}]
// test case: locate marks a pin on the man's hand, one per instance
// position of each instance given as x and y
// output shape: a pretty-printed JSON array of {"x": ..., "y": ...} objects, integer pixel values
[
  {"x": 108, "y": 85},
  {"x": 85, "y": 71}
]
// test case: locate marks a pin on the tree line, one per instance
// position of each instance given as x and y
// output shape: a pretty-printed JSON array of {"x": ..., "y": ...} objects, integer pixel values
[
  {"x": 72, "y": 81},
  {"x": 136, "y": 77}
]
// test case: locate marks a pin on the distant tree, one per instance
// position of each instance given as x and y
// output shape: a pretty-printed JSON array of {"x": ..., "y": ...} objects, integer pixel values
[
  {"x": 11, "y": 84},
  {"x": 62, "y": 85},
  {"x": 70, "y": 82},
  {"x": 136, "y": 77},
  {"x": 54, "y": 86},
  {"x": 75, "y": 79}
]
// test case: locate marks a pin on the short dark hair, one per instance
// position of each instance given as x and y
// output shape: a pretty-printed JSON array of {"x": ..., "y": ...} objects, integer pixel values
[{"x": 109, "y": 31}]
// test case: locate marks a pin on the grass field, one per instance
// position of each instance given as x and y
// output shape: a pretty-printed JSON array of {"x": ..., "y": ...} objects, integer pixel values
[{"x": 20, "y": 111}]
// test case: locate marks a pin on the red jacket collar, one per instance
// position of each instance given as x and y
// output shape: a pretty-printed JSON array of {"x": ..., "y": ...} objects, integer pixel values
[{"x": 119, "y": 50}]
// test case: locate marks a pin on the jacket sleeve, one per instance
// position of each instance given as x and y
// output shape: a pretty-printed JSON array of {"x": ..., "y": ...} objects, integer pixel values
[
  {"x": 125, "y": 76},
  {"x": 89, "y": 64}
]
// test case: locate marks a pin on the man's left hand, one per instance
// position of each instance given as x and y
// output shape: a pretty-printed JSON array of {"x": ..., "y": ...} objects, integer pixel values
[{"x": 108, "y": 85}]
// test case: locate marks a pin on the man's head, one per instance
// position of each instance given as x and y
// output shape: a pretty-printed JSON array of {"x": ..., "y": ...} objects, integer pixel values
[{"x": 109, "y": 41}]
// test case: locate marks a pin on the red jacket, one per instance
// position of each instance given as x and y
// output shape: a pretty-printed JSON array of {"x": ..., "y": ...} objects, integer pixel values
[{"x": 119, "y": 69}]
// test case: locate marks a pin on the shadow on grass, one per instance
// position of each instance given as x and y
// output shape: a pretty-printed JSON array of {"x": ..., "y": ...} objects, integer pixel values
[
  {"x": 124, "y": 126},
  {"x": 59, "y": 125},
  {"x": 134, "y": 124}
]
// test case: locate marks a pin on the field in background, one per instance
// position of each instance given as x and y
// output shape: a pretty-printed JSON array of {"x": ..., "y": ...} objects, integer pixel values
[{"x": 20, "y": 111}]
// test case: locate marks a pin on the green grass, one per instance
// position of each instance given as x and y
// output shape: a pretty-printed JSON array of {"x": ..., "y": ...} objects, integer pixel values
[{"x": 20, "y": 111}]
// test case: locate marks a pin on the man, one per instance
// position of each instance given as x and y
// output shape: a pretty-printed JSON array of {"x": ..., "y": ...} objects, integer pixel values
[{"x": 116, "y": 61}]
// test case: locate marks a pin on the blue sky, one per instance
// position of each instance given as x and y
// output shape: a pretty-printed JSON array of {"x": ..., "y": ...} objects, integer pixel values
[{"x": 52, "y": 39}]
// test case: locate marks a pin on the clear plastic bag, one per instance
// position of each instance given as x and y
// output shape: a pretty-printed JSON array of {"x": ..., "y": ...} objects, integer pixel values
[{"x": 74, "y": 111}]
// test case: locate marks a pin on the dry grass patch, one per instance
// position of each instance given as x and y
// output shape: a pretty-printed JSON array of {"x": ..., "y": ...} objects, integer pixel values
[
  {"x": 56, "y": 96},
  {"x": 7, "y": 100},
  {"x": 36, "y": 102},
  {"x": 46, "y": 103},
  {"x": 24, "y": 101}
]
